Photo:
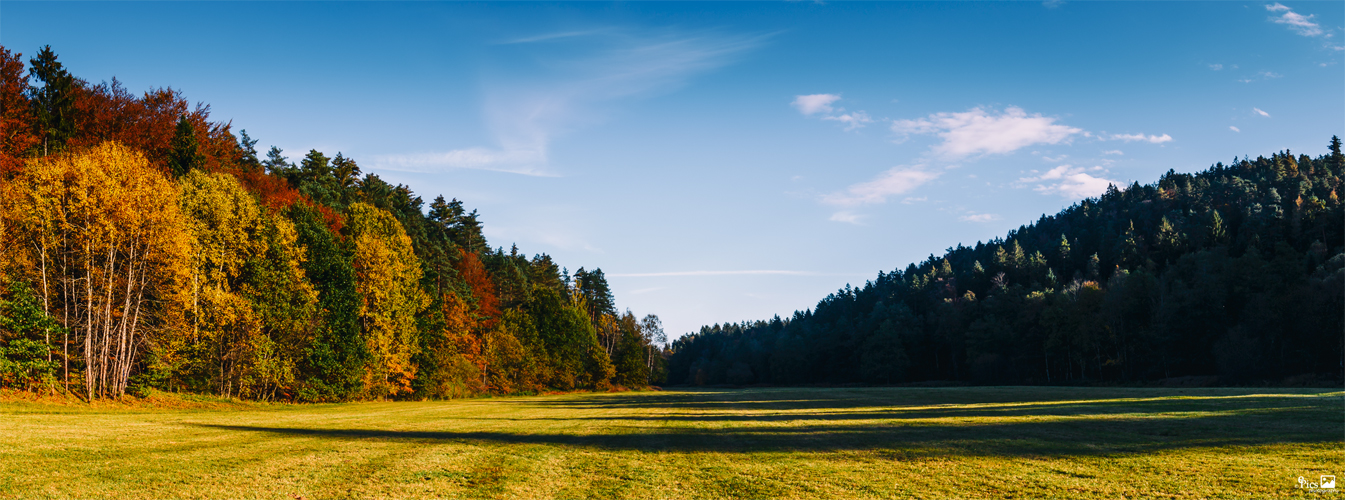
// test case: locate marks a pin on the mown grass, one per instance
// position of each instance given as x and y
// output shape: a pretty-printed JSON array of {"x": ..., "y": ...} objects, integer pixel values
[{"x": 963, "y": 442}]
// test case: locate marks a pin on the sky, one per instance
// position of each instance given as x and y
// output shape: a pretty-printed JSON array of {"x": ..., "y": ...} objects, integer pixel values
[{"x": 723, "y": 162}]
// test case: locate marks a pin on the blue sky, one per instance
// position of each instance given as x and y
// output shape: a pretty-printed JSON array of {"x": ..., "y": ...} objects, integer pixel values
[{"x": 732, "y": 161}]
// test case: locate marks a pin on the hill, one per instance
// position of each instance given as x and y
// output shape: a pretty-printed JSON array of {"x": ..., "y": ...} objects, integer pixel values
[{"x": 1235, "y": 272}]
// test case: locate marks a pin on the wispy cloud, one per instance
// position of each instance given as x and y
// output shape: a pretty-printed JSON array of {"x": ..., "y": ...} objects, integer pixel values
[
  {"x": 980, "y": 217},
  {"x": 896, "y": 180},
  {"x": 1260, "y": 76},
  {"x": 1070, "y": 182},
  {"x": 528, "y": 108},
  {"x": 551, "y": 36},
  {"x": 814, "y": 103},
  {"x": 728, "y": 273},
  {"x": 1155, "y": 139},
  {"x": 1303, "y": 25},
  {"x": 549, "y": 228},
  {"x": 1114, "y": 152},
  {"x": 1235, "y": 129},
  {"x": 982, "y": 132},
  {"x": 852, "y": 121},
  {"x": 1259, "y": 112},
  {"x": 515, "y": 162},
  {"x": 1216, "y": 67}
]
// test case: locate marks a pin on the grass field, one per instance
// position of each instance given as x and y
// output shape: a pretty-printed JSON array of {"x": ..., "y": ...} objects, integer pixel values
[{"x": 983, "y": 442}]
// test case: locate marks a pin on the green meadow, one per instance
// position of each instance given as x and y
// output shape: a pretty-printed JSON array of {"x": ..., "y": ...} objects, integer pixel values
[{"x": 960, "y": 442}]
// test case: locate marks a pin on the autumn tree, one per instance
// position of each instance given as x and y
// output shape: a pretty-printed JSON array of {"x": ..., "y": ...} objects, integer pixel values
[
  {"x": 388, "y": 282},
  {"x": 106, "y": 238},
  {"x": 17, "y": 129}
]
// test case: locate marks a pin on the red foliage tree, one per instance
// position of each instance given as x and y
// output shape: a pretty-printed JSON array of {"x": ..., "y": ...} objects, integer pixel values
[
  {"x": 484, "y": 299},
  {"x": 16, "y": 115}
]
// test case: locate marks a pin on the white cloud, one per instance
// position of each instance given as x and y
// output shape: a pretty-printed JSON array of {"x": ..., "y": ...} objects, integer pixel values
[
  {"x": 1235, "y": 129},
  {"x": 1070, "y": 182},
  {"x": 980, "y": 217},
  {"x": 1216, "y": 67},
  {"x": 1156, "y": 139},
  {"x": 844, "y": 216},
  {"x": 1301, "y": 24},
  {"x": 851, "y": 120},
  {"x": 1114, "y": 152},
  {"x": 894, "y": 181},
  {"x": 814, "y": 103},
  {"x": 1259, "y": 112},
  {"x": 1270, "y": 74},
  {"x": 980, "y": 132}
]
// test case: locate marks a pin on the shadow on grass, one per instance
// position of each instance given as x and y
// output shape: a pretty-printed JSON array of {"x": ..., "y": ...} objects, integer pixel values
[{"x": 1036, "y": 426}]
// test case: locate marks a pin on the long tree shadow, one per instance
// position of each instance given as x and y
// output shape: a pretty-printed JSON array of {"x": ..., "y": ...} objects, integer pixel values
[
  {"x": 744, "y": 406},
  {"x": 841, "y": 399},
  {"x": 914, "y": 437}
]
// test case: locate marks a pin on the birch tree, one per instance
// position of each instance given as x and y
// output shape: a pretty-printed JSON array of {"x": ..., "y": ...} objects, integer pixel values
[{"x": 104, "y": 235}]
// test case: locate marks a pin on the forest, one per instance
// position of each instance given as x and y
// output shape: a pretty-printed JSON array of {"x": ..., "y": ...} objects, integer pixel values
[
  {"x": 147, "y": 247},
  {"x": 1236, "y": 272}
]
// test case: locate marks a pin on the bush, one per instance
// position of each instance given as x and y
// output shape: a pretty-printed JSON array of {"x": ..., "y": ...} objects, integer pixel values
[{"x": 24, "y": 362}]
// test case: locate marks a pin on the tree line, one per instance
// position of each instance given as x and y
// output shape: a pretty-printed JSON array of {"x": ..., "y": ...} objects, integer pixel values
[
  {"x": 146, "y": 246},
  {"x": 1237, "y": 271}
]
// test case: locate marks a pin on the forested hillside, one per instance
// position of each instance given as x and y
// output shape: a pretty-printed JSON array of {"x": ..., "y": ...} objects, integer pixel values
[
  {"x": 1236, "y": 271},
  {"x": 143, "y": 245}
]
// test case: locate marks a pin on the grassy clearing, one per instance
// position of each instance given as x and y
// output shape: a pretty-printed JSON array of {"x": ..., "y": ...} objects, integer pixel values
[{"x": 963, "y": 442}]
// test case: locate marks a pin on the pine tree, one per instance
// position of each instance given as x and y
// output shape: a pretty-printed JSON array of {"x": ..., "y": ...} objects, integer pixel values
[
  {"x": 54, "y": 102},
  {"x": 1217, "y": 232},
  {"x": 1336, "y": 161},
  {"x": 185, "y": 154},
  {"x": 1062, "y": 249}
]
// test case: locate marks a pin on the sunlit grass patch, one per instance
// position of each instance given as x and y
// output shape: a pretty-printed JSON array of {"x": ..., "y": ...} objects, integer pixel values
[{"x": 987, "y": 442}]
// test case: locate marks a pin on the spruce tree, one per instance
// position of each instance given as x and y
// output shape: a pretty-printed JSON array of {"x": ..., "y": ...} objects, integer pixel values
[
  {"x": 54, "y": 102},
  {"x": 185, "y": 154}
]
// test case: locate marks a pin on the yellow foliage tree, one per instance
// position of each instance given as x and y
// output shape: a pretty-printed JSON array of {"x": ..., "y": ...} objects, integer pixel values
[
  {"x": 251, "y": 303},
  {"x": 104, "y": 238},
  {"x": 387, "y": 277}
]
